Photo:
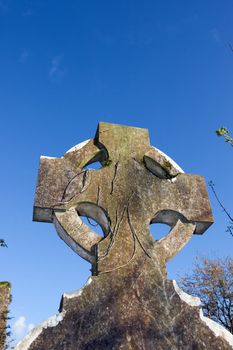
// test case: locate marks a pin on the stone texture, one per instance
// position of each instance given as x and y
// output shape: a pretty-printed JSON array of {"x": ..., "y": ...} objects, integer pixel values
[
  {"x": 132, "y": 308},
  {"x": 159, "y": 165},
  {"x": 128, "y": 303},
  {"x": 4, "y": 301}
]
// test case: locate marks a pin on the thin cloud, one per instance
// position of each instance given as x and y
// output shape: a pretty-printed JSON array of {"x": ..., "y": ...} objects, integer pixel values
[
  {"x": 23, "y": 57},
  {"x": 56, "y": 72},
  {"x": 215, "y": 35},
  {"x": 4, "y": 5},
  {"x": 28, "y": 12},
  {"x": 20, "y": 327},
  {"x": 30, "y": 326}
]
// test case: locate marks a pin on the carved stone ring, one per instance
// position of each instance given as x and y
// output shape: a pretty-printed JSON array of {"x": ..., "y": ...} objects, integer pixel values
[{"x": 157, "y": 191}]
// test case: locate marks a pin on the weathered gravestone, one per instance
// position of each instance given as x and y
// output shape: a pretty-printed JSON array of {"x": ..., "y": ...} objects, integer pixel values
[{"x": 128, "y": 303}]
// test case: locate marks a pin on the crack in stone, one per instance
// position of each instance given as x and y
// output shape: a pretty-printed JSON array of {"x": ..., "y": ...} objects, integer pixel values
[
  {"x": 113, "y": 233},
  {"x": 163, "y": 286},
  {"x": 98, "y": 195},
  {"x": 135, "y": 234},
  {"x": 85, "y": 182},
  {"x": 64, "y": 192},
  {"x": 114, "y": 177},
  {"x": 116, "y": 228}
]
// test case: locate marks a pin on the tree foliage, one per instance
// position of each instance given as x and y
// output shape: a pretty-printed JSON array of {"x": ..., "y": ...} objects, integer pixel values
[
  {"x": 224, "y": 132},
  {"x": 5, "y": 333},
  {"x": 2, "y": 243},
  {"x": 229, "y": 216},
  {"x": 212, "y": 281}
]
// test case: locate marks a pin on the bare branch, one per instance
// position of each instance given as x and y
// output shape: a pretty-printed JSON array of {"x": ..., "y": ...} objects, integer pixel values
[
  {"x": 212, "y": 282},
  {"x": 211, "y": 184}
]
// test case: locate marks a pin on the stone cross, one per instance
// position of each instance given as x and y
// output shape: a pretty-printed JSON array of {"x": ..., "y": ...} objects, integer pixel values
[
  {"x": 136, "y": 186},
  {"x": 128, "y": 303}
]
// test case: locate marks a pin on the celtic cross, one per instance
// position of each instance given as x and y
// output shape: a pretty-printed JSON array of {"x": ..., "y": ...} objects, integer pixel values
[
  {"x": 128, "y": 303},
  {"x": 137, "y": 185}
]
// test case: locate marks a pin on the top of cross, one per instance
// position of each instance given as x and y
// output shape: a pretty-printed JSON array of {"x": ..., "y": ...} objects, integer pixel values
[{"x": 122, "y": 141}]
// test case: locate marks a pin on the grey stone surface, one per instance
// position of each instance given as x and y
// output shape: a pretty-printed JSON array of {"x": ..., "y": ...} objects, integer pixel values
[
  {"x": 4, "y": 301},
  {"x": 128, "y": 302}
]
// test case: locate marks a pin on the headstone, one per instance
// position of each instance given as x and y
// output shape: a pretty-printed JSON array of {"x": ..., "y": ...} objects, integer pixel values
[
  {"x": 128, "y": 302},
  {"x": 4, "y": 301}
]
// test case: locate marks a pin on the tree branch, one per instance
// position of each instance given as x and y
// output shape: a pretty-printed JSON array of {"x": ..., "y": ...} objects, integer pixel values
[{"x": 211, "y": 184}]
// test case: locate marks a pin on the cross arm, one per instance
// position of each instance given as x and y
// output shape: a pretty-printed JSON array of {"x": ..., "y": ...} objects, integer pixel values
[{"x": 176, "y": 239}]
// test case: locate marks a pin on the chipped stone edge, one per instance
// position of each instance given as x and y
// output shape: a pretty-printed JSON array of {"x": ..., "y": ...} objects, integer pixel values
[
  {"x": 175, "y": 165},
  {"x": 72, "y": 149},
  {"x": 79, "y": 292},
  {"x": 217, "y": 329},
  {"x": 46, "y": 157},
  {"x": 189, "y": 299},
  {"x": 82, "y": 144},
  {"x": 53, "y": 321},
  {"x": 78, "y": 146}
]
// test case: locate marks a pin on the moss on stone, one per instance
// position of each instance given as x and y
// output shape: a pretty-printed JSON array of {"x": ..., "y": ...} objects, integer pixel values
[
  {"x": 167, "y": 165},
  {"x": 108, "y": 162},
  {"x": 5, "y": 284}
]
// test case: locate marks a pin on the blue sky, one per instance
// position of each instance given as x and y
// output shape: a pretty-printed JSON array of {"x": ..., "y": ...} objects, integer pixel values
[{"x": 64, "y": 66}]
